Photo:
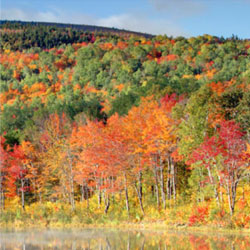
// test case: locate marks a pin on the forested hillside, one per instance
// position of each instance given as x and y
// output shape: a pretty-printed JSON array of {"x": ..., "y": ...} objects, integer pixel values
[{"x": 99, "y": 126}]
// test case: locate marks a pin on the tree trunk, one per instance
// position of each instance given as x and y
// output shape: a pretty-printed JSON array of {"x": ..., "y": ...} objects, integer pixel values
[
  {"x": 126, "y": 195},
  {"x": 22, "y": 193},
  {"x": 163, "y": 195},
  {"x": 173, "y": 179},
  {"x": 231, "y": 194},
  {"x": 107, "y": 204},
  {"x": 214, "y": 186},
  {"x": 87, "y": 196},
  {"x": 82, "y": 193},
  {"x": 2, "y": 200},
  {"x": 139, "y": 192},
  {"x": 200, "y": 188},
  {"x": 234, "y": 186},
  {"x": 99, "y": 198},
  {"x": 168, "y": 184},
  {"x": 156, "y": 187},
  {"x": 71, "y": 180},
  {"x": 1, "y": 193},
  {"x": 220, "y": 193},
  {"x": 229, "y": 198}
]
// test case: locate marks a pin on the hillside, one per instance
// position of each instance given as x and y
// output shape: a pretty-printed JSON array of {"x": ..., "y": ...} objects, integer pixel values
[
  {"x": 45, "y": 28},
  {"x": 82, "y": 27},
  {"x": 121, "y": 125}
]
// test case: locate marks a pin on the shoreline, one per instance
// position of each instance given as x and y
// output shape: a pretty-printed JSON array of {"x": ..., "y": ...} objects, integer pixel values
[{"x": 203, "y": 229}]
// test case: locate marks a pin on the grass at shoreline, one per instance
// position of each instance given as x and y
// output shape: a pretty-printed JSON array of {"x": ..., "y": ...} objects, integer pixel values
[
  {"x": 180, "y": 218},
  {"x": 162, "y": 225}
]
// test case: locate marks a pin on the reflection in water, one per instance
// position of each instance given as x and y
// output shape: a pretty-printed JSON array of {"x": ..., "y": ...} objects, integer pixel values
[{"x": 103, "y": 239}]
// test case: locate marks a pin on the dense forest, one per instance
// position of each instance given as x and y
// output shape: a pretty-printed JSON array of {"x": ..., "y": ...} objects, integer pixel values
[{"x": 103, "y": 127}]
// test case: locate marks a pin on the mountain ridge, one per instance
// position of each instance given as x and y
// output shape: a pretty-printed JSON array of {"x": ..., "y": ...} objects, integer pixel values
[{"x": 83, "y": 27}]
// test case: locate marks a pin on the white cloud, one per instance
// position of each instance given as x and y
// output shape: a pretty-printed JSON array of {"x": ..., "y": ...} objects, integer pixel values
[
  {"x": 179, "y": 8},
  {"x": 141, "y": 23},
  {"x": 13, "y": 14},
  {"x": 133, "y": 22},
  {"x": 19, "y": 14},
  {"x": 45, "y": 16}
]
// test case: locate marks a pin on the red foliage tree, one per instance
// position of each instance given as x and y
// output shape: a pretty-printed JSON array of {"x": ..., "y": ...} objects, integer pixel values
[{"x": 223, "y": 155}]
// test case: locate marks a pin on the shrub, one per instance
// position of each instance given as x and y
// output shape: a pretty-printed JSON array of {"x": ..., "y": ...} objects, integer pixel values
[{"x": 198, "y": 216}]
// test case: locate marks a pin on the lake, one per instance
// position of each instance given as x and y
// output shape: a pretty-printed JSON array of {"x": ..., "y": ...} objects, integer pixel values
[{"x": 105, "y": 239}]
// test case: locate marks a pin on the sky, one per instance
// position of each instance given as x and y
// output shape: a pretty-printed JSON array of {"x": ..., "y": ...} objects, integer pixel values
[{"x": 171, "y": 17}]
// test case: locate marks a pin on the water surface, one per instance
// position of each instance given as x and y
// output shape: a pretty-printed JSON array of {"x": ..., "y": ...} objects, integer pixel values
[{"x": 119, "y": 239}]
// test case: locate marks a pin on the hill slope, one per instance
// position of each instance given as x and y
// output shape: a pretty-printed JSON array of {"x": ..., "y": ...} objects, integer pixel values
[
  {"x": 82, "y": 27},
  {"x": 103, "y": 126}
]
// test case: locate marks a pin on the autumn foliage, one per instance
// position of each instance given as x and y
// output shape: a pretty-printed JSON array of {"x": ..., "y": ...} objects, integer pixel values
[{"x": 128, "y": 125}]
